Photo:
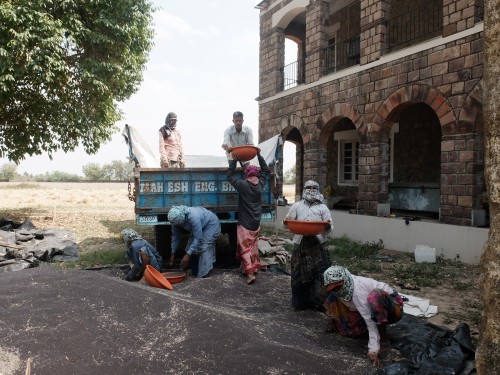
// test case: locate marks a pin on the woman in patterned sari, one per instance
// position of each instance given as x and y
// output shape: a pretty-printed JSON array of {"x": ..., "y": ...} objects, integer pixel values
[{"x": 357, "y": 303}]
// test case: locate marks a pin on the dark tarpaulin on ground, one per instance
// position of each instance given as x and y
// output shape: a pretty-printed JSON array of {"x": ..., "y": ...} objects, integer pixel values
[{"x": 428, "y": 349}]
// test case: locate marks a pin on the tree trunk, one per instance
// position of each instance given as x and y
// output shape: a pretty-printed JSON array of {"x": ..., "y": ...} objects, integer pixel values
[{"x": 488, "y": 352}]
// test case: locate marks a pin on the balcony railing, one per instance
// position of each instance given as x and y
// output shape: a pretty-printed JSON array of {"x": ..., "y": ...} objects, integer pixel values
[
  {"x": 342, "y": 55},
  {"x": 293, "y": 74},
  {"x": 415, "y": 26}
]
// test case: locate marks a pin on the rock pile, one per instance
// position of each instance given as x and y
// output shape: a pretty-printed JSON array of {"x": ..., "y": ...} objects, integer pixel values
[{"x": 22, "y": 245}]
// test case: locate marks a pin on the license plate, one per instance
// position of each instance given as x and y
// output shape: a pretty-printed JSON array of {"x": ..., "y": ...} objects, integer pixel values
[
  {"x": 266, "y": 216},
  {"x": 148, "y": 219}
]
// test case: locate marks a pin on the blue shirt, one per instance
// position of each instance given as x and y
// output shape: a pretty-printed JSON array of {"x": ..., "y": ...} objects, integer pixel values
[{"x": 203, "y": 225}]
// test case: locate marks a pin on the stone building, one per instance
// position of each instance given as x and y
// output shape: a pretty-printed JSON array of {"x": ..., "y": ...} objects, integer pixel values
[{"x": 383, "y": 102}]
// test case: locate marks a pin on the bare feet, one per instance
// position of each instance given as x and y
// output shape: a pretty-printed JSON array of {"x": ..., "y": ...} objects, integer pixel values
[{"x": 250, "y": 278}]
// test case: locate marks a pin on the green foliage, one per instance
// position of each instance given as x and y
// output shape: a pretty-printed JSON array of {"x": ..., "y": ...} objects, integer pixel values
[
  {"x": 93, "y": 172},
  {"x": 356, "y": 256},
  {"x": 64, "y": 66},
  {"x": 57, "y": 176},
  {"x": 8, "y": 171},
  {"x": 421, "y": 274},
  {"x": 289, "y": 176},
  {"x": 115, "y": 171},
  {"x": 97, "y": 258}
]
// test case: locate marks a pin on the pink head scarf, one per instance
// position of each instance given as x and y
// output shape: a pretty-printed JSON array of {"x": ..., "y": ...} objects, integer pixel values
[{"x": 252, "y": 174}]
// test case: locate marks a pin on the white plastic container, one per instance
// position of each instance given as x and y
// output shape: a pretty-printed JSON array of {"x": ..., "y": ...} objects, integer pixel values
[{"x": 425, "y": 253}]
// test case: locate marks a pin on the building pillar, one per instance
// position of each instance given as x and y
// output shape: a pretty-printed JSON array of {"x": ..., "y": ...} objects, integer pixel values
[
  {"x": 316, "y": 39},
  {"x": 373, "y": 38},
  {"x": 462, "y": 178},
  {"x": 373, "y": 178},
  {"x": 272, "y": 58}
]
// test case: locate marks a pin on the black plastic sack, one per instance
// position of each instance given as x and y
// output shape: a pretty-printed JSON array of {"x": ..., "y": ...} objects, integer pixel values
[{"x": 429, "y": 349}]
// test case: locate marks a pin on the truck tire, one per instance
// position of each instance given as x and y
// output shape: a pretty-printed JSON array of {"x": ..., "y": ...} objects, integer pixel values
[{"x": 163, "y": 236}]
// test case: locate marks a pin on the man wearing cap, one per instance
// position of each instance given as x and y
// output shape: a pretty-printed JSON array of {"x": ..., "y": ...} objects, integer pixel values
[{"x": 237, "y": 135}]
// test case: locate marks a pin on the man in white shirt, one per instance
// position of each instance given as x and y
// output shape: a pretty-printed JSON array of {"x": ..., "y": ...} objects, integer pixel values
[{"x": 237, "y": 135}]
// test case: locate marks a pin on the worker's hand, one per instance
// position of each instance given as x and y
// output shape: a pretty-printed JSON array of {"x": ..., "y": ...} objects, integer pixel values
[
  {"x": 185, "y": 262},
  {"x": 374, "y": 358},
  {"x": 171, "y": 262},
  {"x": 232, "y": 164},
  {"x": 226, "y": 147}
]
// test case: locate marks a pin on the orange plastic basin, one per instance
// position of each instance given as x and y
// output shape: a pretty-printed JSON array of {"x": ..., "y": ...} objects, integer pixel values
[
  {"x": 307, "y": 228},
  {"x": 175, "y": 277},
  {"x": 244, "y": 153},
  {"x": 155, "y": 279}
]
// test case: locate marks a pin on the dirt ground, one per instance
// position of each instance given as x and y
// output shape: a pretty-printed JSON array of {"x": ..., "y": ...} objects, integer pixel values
[{"x": 96, "y": 212}]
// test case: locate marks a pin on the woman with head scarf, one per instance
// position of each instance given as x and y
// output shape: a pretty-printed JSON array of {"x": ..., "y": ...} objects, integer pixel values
[
  {"x": 171, "y": 151},
  {"x": 140, "y": 253},
  {"x": 357, "y": 303},
  {"x": 249, "y": 213},
  {"x": 310, "y": 257},
  {"x": 204, "y": 228}
]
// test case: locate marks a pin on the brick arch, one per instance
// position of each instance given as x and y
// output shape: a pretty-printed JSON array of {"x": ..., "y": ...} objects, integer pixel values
[
  {"x": 333, "y": 114},
  {"x": 472, "y": 107},
  {"x": 289, "y": 12},
  {"x": 292, "y": 121},
  {"x": 286, "y": 127},
  {"x": 407, "y": 95}
]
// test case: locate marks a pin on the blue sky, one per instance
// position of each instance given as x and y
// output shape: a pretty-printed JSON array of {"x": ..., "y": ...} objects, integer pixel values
[{"x": 204, "y": 66}]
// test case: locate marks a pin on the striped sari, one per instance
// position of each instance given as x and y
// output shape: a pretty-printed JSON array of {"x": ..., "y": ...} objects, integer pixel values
[{"x": 248, "y": 250}]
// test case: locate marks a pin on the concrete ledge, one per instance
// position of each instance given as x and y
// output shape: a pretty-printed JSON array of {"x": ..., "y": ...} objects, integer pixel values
[{"x": 450, "y": 241}]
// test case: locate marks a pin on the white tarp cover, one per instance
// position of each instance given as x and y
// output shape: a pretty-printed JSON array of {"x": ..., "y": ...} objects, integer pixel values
[
  {"x": 268, "y": 150},
  {"x": 139, "y": 151}
]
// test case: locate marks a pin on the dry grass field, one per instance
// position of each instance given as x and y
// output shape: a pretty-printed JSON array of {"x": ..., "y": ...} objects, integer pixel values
[{"x": 97, "y": 212}]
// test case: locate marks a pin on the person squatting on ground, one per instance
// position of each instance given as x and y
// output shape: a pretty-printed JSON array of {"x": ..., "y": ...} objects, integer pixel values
[
  {"x": 310, "y": 257},
  {"x": 140, "y": 253},
  {"x": 171, "y": 151},
  {"x": 357, "y": 303},
  {"x": 237, "y": 135},
  {"x": 249, "y": 213},
  {"x": 204, "y": 228}
]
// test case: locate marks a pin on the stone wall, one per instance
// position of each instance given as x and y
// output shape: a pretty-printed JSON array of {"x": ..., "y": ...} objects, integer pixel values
[{"x": 445, "y": 78}]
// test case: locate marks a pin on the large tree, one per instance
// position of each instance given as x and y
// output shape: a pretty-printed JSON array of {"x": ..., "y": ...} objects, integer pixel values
[
  {"x": 488, "y": 353},
  {"x": 64, "y": 66}
]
